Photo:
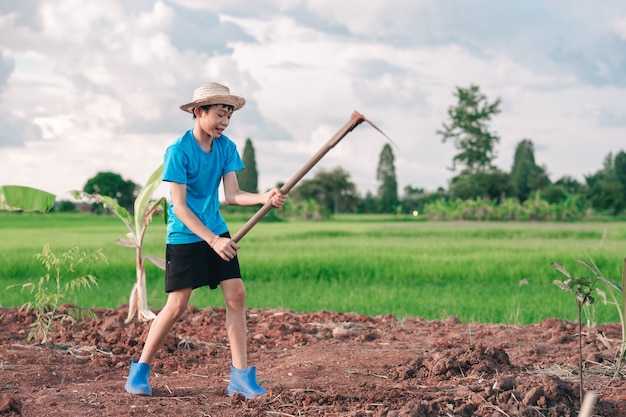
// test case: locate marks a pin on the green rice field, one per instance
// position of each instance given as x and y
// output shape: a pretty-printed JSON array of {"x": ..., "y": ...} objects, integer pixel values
[{"x": 479, "y": 272}]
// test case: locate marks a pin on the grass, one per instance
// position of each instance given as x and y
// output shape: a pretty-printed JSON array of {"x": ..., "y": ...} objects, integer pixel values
[{"x": 478, "y": 272}]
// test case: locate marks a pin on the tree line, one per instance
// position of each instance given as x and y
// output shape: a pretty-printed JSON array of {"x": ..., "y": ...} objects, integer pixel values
[{"x": 478, "y": 190}]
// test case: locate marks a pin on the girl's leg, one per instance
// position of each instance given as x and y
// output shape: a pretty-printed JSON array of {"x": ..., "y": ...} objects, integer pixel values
[
  {"x": 175, "y": 306},
  {"x": 242, "y": 378},
  {"x": 235, "y": 298},
  {"x": 137, "y": 382}
]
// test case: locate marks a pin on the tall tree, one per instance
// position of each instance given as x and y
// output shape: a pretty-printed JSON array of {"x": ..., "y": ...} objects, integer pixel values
[
  {"x": 620, "y": 168},
  {"x": 468, "y": 128},
  {"x": 526, "y": 175},
  {"x": 605, "y": 190},
  {"x": 386, "y": 175},
  {"x": 249, "y": 177},
  {"x": 113, "y": 185}
]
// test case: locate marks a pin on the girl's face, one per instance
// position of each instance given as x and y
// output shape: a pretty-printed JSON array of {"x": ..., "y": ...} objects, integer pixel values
[{"x": 214, "y": 120}]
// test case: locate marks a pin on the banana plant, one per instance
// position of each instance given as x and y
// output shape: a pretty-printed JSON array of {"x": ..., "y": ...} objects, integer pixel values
[
  {"x": 144, "y": 208},
  {"x": 20, "y": 198}
]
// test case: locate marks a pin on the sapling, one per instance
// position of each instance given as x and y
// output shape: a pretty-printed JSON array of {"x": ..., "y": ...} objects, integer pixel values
[
  {"x": 144, "y": 208},
  {"x": 581, "y": 288},
  {"x": 49, "y": 291},
  {"x": 61, "y": 279},
  {"x": 612, "y": 288}
]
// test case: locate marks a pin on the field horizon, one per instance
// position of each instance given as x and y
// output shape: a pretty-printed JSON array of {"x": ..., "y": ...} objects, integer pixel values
[{"x": 374, "y": 265}]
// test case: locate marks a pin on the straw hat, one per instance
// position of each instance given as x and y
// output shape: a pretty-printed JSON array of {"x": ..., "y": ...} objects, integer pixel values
[{"x": 213, "y": 93}]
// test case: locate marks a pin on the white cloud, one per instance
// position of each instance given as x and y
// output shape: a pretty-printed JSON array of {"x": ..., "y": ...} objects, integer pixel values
[
  {"x": 619, "y": 26},
  {"x": 96, "y": 86},
  {"x": 74, "y": 21}
]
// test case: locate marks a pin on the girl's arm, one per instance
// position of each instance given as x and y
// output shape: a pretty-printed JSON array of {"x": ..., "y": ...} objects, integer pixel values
[
  {"x": 225, "y": 248},
  {"x": 237, "y": 197}
]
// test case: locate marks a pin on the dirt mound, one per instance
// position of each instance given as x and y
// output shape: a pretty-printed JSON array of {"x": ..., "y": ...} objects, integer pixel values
[{"x": 313, "y": 364}]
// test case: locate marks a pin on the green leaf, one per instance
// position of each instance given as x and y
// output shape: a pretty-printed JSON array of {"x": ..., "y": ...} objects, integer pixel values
[
  {"x": 109, "y": 203},
  {"x": 611, "y": 283},
  {"x": 15, "y": 198},
  {"x": 593, "y": 270},
  {"x": 583, "y": 281},
  {"x": 602, "y": 295},
  {"x": 562, "y": 269},
  {"x": 143, "y": 198},
  {"x": 562, "y": 285},
  {"x": 118, "y": 210},
  {"x": 165, "y": 212}
]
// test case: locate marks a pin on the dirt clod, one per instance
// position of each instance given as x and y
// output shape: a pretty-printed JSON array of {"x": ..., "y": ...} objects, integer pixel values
[{"x": 312, "y": 364}]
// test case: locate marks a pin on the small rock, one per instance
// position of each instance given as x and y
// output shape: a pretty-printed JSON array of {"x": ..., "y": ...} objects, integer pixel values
[
  {"x": 504, "y": 384},
  {"x": 532, "y": 396},
  {"x": 341, "y": 333},
  {"x": 9, "y": 404},
  {"x": 452, "y": 320}
]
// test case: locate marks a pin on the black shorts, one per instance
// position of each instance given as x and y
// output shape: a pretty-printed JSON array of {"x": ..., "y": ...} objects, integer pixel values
[{"x": 193, "y": 265}]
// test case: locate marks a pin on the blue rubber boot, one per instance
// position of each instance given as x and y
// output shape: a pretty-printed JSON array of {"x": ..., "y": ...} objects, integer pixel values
[
  {"x": 137, "y": 382},
  {"x": 244, "y": 382}
]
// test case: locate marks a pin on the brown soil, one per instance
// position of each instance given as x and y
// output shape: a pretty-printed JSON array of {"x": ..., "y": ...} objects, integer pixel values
[{"x": 312, "y": 364}]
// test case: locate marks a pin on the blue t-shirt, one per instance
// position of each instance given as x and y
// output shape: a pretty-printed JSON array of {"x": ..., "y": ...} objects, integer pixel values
[{"x": 187, "y": 163}]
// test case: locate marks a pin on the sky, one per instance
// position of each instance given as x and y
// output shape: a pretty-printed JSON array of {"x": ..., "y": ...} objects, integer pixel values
[{"x": 87, "y": 87}]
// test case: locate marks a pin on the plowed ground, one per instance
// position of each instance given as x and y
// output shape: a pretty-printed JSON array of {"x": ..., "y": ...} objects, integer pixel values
[{"x": 312, "y": 364}]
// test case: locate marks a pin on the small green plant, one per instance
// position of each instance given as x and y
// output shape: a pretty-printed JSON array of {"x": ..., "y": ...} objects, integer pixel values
[
  {"x": 144, "y": 209},
  {"x": 581, "y": 288},
  {"x": 618, "y": 300},
  {"x": 61, "y": 279}
]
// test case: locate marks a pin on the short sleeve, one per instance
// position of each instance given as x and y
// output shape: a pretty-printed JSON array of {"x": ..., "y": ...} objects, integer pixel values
[
  {"x": 232, "y": 160},
  {"x": 175, "y": 165}
]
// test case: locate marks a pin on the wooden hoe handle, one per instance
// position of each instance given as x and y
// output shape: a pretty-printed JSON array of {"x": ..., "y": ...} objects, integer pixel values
[{"x": 355, "y": 119}]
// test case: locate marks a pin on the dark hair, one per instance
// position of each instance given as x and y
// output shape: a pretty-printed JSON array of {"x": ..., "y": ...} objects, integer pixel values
[{"x": 208, "y": 106}]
